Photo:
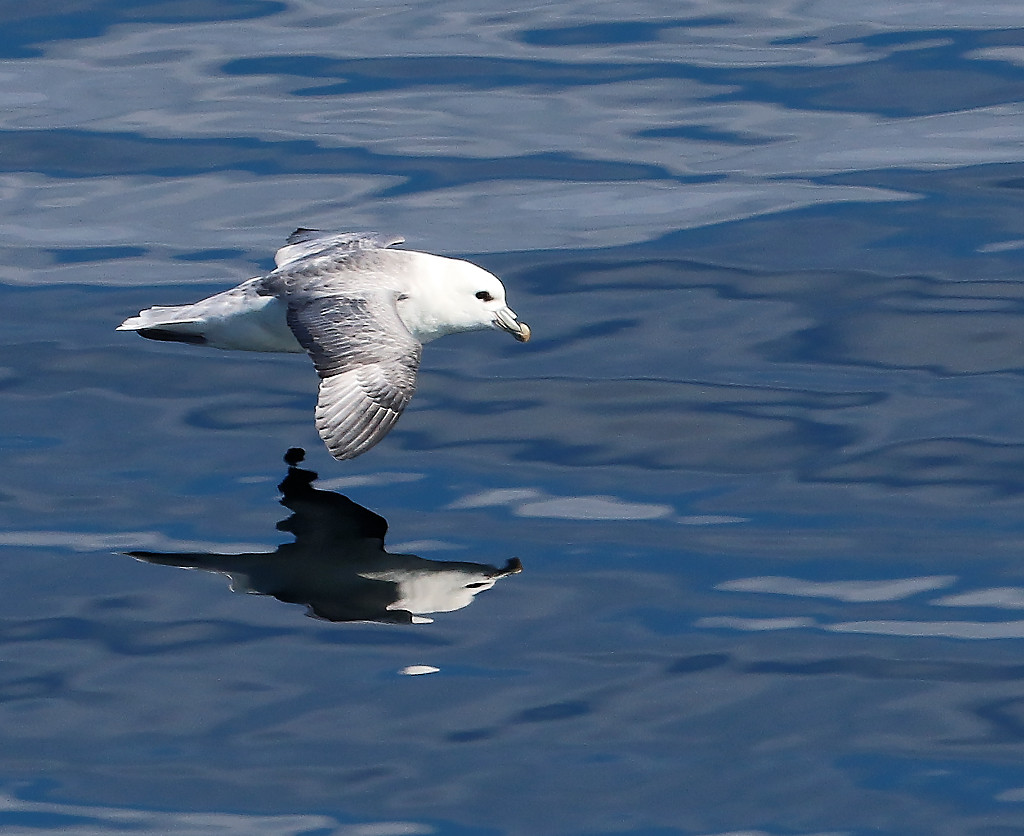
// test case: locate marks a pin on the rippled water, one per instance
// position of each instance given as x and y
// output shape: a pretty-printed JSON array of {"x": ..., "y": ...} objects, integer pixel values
[{"x": 763, "y": 461}]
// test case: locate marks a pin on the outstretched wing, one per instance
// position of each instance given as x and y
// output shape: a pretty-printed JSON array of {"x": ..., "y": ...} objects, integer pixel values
[
  {"x": 312, "y": 243},
  {"x": 367, "y": 362}
]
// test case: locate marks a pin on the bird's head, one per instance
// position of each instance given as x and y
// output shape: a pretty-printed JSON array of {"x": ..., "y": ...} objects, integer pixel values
[{"x": 459, "y": 296}]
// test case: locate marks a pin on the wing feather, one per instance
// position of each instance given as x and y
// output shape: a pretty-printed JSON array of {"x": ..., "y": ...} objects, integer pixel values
[
  {"x": 305, "y": 244},
  {"x": 367, "y": 362}
]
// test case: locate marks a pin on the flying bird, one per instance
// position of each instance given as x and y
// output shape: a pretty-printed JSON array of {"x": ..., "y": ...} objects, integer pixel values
[{"x": 361, "y": 310}]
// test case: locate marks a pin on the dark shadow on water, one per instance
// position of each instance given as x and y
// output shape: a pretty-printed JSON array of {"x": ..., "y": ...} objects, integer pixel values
[
  {"x": 881, "y": 668},
  {"x": 940, "y": 73},
  {"x": 338, "y": 567},
  {"x": 27, "y": 27},
  {"x": 74, "y": 153}
]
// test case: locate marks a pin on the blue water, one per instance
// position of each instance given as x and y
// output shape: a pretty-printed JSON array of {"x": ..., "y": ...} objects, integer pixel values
[{"x": 762, "y": 462}]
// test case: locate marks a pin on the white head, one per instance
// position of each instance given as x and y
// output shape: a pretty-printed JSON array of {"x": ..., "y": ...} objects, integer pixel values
[
  {"x": 451, "y": 296},
  {"x": 438, "y": 591},
  {"x": 440, "y": 586}
]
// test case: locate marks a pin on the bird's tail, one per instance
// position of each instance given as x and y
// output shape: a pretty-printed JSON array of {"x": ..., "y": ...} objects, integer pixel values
[
  {"x": 185, "y": 323},
  {"x": 170, "y": 324},
  {"x": 239, "y": 318}
]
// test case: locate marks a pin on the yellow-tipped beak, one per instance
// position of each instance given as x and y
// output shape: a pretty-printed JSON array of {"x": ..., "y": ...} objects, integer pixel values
[{"x": 506, "y": 320}]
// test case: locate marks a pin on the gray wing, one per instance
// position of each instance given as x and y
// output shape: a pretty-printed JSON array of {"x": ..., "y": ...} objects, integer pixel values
[
  {"x": 367, "y": 362},
  {"x": 306, "y": 244}
]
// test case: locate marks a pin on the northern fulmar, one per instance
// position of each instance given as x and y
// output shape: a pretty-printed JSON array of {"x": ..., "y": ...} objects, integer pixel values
[{"x": 361, "y": 310}]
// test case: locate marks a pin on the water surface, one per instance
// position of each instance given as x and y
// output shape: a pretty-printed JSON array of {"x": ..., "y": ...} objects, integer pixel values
[{"x": 762, "y": 460}]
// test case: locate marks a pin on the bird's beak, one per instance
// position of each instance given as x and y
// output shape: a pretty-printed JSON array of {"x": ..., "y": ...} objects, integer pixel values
[
  {"x": 513, "y": 567},
  {"x": 505, "y": 319}
]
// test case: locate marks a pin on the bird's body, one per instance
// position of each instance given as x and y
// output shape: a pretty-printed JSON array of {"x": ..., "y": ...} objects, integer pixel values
[{"x": 360, "y": 309}]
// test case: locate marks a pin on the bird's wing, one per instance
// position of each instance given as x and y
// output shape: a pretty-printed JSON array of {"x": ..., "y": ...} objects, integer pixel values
[
  {"x": 367, "y": 362},
  {"x": 306, "y": 244}
]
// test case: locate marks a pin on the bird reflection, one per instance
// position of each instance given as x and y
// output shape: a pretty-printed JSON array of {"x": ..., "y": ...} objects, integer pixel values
[{"x": 338, "y": 566}]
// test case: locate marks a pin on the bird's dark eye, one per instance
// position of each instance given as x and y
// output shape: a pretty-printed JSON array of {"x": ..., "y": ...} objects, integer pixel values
[{"x": 484, "y": 295}]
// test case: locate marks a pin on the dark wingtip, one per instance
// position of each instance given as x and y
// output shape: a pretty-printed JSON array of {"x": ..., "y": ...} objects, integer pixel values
[
  {"x": 303, "y": 233},
  {"x": 169, "y": 336},
  {"x": 512, "y": 567}
]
